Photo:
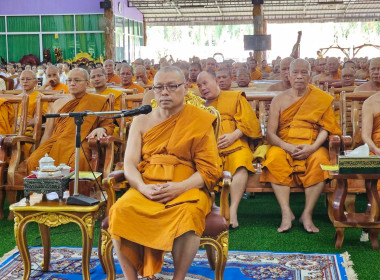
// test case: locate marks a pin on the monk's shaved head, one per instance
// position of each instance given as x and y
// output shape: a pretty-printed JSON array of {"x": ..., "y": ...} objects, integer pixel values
[
  {"x": 300, "y": 62},
  {"x": 168, "y": 69},
  {"x": 286, "y": 62}
]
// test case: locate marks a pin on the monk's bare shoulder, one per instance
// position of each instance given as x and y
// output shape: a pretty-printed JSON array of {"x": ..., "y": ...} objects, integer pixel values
[
  {"x": 59, "y": 103},
  {"x": 372, "y": 103},
  {"x": 275, "y": 87}
]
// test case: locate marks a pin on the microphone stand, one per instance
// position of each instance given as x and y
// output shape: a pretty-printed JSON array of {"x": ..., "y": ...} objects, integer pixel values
[{"x": 76, "y": 198}]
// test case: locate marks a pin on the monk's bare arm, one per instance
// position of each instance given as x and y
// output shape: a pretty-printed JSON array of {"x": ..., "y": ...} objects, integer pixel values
[
  {"x": 273, "y": 123},
  {"x": 367, "y": 125},
  {"x": 132, "y": 156},
  {"x": 148, "y": 98},
  {"x": 228, "y": 139},
  {"x": 50, "y": 121},
  {"x": 304, "y": 150}
]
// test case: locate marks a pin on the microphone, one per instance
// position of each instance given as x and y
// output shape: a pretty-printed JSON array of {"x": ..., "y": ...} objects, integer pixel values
[{"x": 145, "y": 109}]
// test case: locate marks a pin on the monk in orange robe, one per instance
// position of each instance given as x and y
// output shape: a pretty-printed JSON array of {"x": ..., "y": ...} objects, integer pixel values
[
  {"x": 333, "y": 71},
  {"x": 300, "y": 120},
  {"x": 52, "y": 80},
  {"x": 239, "y": 123},
  {"x": 170, "y": 177},
  {"x": 28, "y": 81},
  {"x": 194, "y": 70},
  {"x": 58, "y": 139},
  {"x": 284, "y": 84},
  {"x": 141, "y": 76},
  {"x": 6, "y": 117},
  {"x": 109, "y": 67},
  {"x": 126, "y": 73},
  {"x": 252, "y": 66},
  {"x": 98, "y": 81}
]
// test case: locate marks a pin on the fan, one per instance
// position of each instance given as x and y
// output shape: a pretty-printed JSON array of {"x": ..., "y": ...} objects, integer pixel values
[{"x": 105, "y": 24}]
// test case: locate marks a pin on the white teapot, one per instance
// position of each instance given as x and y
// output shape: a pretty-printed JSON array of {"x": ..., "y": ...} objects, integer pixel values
[{"x": 47, "y": 164}]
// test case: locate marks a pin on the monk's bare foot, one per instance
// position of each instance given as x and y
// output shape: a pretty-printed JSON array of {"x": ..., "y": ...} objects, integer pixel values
[
  {"x": 308, "y": 224},
  {"x": 286, "y": 223}
]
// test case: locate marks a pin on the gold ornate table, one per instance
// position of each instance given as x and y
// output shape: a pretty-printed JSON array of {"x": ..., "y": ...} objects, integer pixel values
[
  {"x": 370, "y": 219},
  {"x": 49, "y": 212}
]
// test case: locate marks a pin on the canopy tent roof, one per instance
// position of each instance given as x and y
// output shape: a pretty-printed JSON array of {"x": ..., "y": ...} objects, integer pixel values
[{"x": 206, "y": 12}]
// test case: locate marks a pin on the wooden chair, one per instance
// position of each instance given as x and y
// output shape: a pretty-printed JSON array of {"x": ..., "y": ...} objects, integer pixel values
[
  {"x": 351, "y": 123},
  {"x": 215, "y": 235},
  {"x": 10, "y": 145},
  {"x": 9, "y": 83}
]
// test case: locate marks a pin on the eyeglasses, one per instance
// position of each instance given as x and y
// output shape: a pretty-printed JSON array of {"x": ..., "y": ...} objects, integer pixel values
[
  {"x": 169, "y": 88},
  {"x": 69, "y": 81}
]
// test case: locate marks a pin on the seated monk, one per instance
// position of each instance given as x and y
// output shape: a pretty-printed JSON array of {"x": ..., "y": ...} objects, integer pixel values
[
  {"x": 363, "y": 72},
  {"x": 284, "y": 73},
  {"x": 109, "y": 67},
  {"x": 195, "y": 69},
  {"x": 58, "y": 139},
  {"x": 150, "y": 71},
  {"x": 243, "y": 77},
  {"x": 126, "y": 74},
  {"x": 235, "y": 67},
  {"x": 321, "y": 69},
  {"x": 28, "y": 80},
  {"x": 252, "y": 66},
  {"x": 211, "y": 64},
  {"x": 275, "y": 74},
  {"x": 374, "y": 77},
  {"x": 141, "y": 77},
  {"x": 98, "y": 81},
  {"x": 223, "y": 76},
  {"x": 333, "y": 72},
  {"x": 371, "y": 123},
  {"x": 299, "y": 122},
  {"x": 239, "y": 123},
  {"x": 265, "y": 69},
  {"x": 52, "y": 80},
  {"x": 171, "y": 162},
  {"x": 6, "y": 117}
]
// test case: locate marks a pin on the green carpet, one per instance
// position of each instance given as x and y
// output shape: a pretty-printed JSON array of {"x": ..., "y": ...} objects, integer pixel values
[{"x": 259, "y": 218}]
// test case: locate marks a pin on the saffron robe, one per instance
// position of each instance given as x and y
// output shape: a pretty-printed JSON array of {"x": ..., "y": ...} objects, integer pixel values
[
  {"x": 60, "y": 87},
  {"x": 61, "y": 145},
  {"x": 236, "y": 112},
  {"x": 171, "y": 152},
  {"x": 114, "y": 79},
  {"x": 117, "y": 94},
  {"x": 6, "y": 117},
  {"x": 256, "y": 75},
  {"x": 300, "y": 124},
  {"x": 140, "y": 89}
]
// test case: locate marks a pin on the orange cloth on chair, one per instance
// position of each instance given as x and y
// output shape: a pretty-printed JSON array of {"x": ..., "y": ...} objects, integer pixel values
[
  {"x": 114, "y": 79},
  {"x": 256, "y": 75},
  {"x": 6, "y": 117},
  {"x": 61, "y": 86},
  {"x": 300, "y": 124},
  {"x": 61, "y": 145},
  {"x": 171, "y": 152},
  {"x": 236, "y": 112}
]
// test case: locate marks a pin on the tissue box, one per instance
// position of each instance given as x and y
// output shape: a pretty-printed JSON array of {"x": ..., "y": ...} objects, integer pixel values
[{"x": 359, "y": 165}]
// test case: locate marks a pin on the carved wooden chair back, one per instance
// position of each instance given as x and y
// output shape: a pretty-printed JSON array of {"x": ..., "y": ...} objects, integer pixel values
[
  {"x": 351, "y": 115},
  {"x": 260, "y": 103}
]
